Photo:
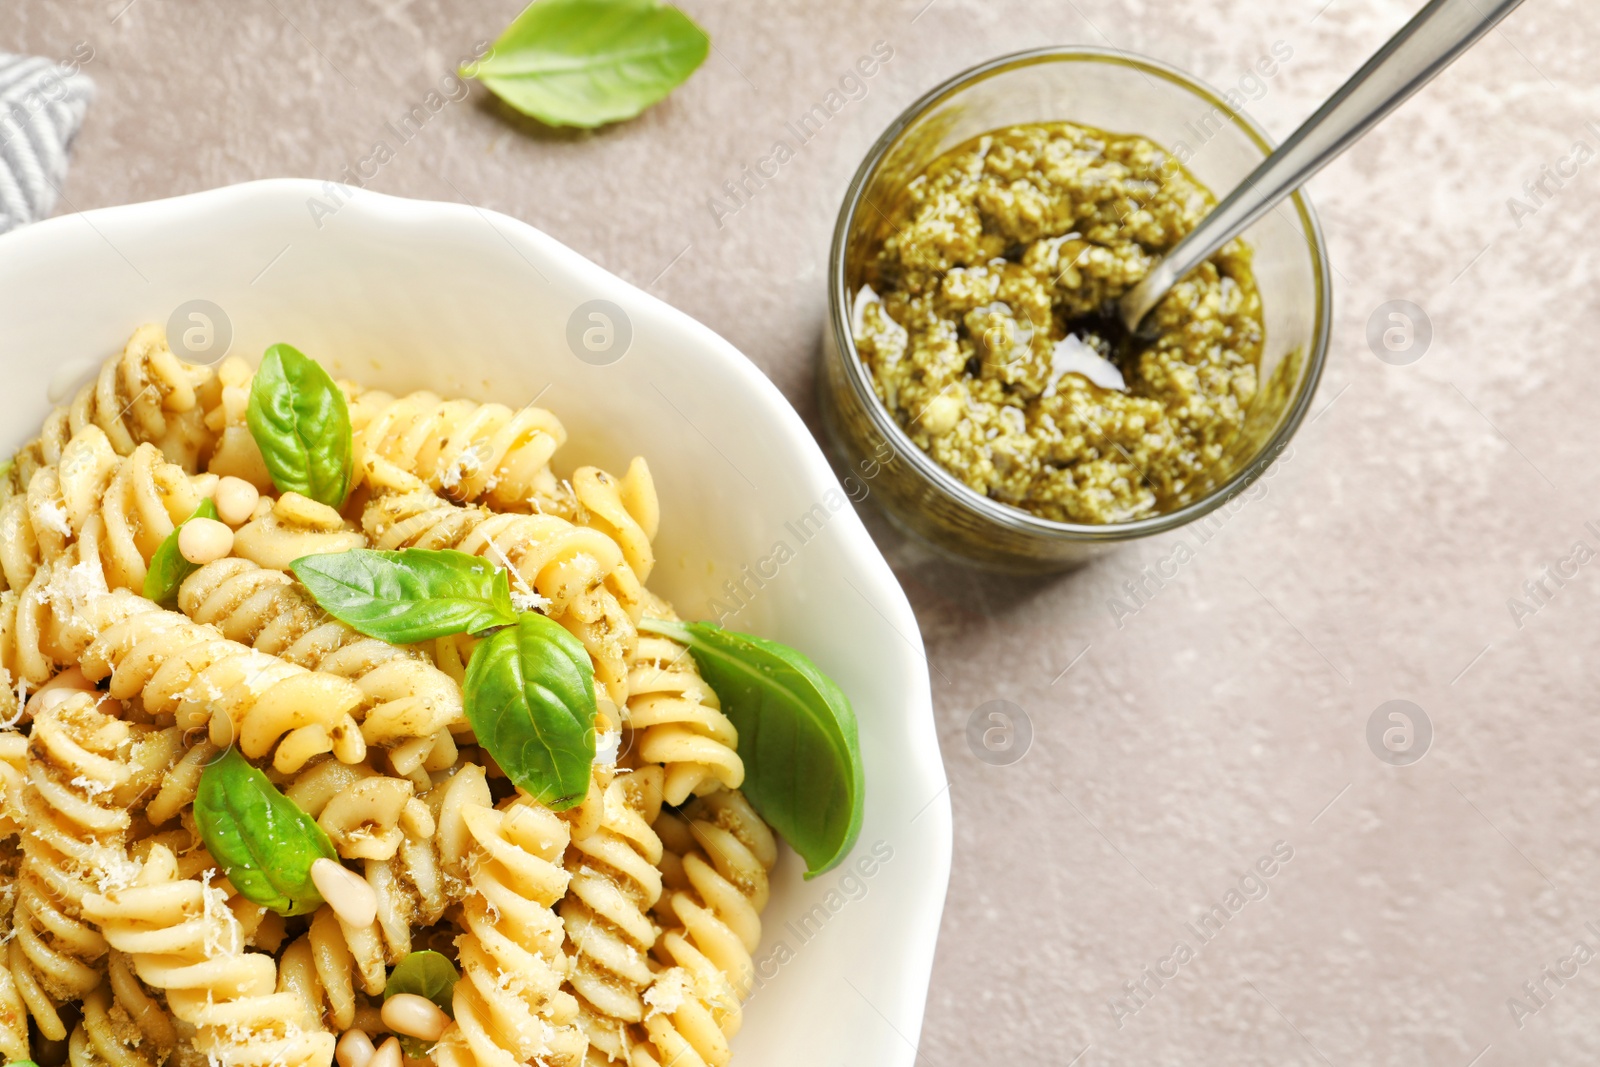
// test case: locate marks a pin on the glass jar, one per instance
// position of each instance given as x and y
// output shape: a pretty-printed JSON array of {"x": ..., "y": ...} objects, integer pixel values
[{"x": 1120, "y": 93}]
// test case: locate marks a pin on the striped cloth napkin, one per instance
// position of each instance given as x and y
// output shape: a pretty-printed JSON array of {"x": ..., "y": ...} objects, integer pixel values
[{"x": 42, "y": 104}]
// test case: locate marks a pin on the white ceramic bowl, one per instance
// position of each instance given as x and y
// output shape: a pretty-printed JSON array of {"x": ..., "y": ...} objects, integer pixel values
[{"x": 408, "y": 294}]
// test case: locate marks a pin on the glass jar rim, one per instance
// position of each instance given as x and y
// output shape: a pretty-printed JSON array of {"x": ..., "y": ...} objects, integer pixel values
[{"x": 959, "y": 492}]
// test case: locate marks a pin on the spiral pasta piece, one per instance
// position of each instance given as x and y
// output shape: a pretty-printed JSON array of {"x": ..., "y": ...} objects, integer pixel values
[
  {"x": 42, "y": 451},
  {"x": 678, "y": 720},
  {"x": 236, "y": 452},
  {"x": 465, "y": 450},
  {"x": 93, "y": 507},
  {"x": 510, "y": 1008},
  {"x": 283, "y": 530},
  {"x": 86, "y": 768},
  {"x": 624, "y": 509},
  {"x": 187, "y": 672},
  {"x": 123, "y": 1024},
  {"x": 147, "y": 395},
  {"x": 615, "y": 883},
  {"x": 135, "y": 501},
  {"x": 412, "y": 700},
  {"x": 717, "y": 855},
  {"x": 183, "y": 939},
  {"x": 579, "y": 572},
  {"x": 378, "y": 822},
  {"x": 13, "y": 1009}
]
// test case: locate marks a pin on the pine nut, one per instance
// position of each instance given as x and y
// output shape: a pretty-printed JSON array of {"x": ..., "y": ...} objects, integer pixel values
[
  {"x": 300, "y": 510},
  {"x": 71, "y": 678},
  {"x": 388, "y": 1054},
  {"x": 354, "y": 1049},
  {"x": 202, "y": 541},
  {"x": 66, "y": 684},
  {"x": 414, "y": 1016},
  {"x": 350, "y": 897},
  {"x": 236, "y": 500}
]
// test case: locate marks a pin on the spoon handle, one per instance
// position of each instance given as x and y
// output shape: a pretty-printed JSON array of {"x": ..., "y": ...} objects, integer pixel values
[{"x": 1422, "y": 48}]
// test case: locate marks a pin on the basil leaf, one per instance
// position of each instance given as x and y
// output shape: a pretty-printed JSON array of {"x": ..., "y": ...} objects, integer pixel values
[
  {"x": 261, "y": 838},
  {"x": 530, "y": 699},
  {"x": 797, "y": 737},
  {"x": 412, "y": 595},
  {"x": 168, "y": 568},
  {"x": 427, "y": 974},
  {"x": 590, "y": 62},
  {"x": 302, "y": 426}
]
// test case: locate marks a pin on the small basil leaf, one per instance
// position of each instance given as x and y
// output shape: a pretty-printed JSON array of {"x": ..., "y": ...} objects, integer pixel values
[
  {"x": 530, "y": 699},
  {"x": 427, "y": 974},
  {"x": 302, "y": 426},
  {"x": 797, "y": 737},
  {"x": 168, "y": 568},
  {"x": 260, "y": 837},
  {"x": 590, "y": 62},
  {"x": 412, "y": 595}
]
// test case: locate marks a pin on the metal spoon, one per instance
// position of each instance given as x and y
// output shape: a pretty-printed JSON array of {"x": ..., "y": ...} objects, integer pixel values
[{"x": 1424, "y": 46}]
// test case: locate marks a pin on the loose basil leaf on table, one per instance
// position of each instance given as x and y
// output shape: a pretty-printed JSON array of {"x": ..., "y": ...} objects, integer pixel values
[
  {"x": 530, "y": 699},
  {"x": 590, "y": 62},
  {"x": 797, "y": 737},
  {"x": 412, "y": 595},
  {"x": 168, "y": 568},
  {"x": 301, "y": 423},
  {"x": 427, "y": 974},
  {"x": 261, "y": 838}
]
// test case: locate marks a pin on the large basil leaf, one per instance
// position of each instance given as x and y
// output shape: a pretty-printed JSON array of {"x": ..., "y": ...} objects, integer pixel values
[
  {"x": 302, "y": 426},
  {"x": 589, "y": 62},
  {"x": 797, "y": 737},
  {"x": 412, "y": 595},
  {"x": 427, "y": 974},
  {"x": 168, "y": 568},
  {"x": 530, "y": 699},
  {"x": 262, "y": 839}
]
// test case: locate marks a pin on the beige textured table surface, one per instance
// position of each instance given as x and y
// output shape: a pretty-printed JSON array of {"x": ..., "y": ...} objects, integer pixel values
[{"x": 1230, "y": 712}]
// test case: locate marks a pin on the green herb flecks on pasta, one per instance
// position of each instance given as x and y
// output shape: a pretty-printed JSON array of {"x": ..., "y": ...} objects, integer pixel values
[
  {"x": 299, "y": 420},
  {"x": 168, "y": 568},
  {"x": 260, "y": 837},
  {"x": 411, "y": 595},
  {"x": 797, "y": 737},
  {"x": 530, "y": 699}
]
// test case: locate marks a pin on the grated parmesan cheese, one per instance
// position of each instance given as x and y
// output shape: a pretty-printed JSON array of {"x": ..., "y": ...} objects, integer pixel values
[
  {"x": 54, "y": 516},
  {"x": 669, "y": 991}
]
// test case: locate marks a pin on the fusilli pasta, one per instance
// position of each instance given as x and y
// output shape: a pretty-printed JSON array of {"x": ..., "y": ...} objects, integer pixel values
[
  {"x": 126, "y": 945},
  {"x": 146, "y": 394},
  {"x": 377, "y": 821},
  {"x": 184, "y": 940},
  {"x": 509, "y": 1005},
  {"x": 616, "y": 880},
  {"x": 190, "y": 673},
  {"x": 412, "y": 700},
  {"x": 86, "y": 768},
  {"x": 283, "y": 530},
  {"x": 580, "y": 572},
  {"x": 464, "y": 450},
  {"x": 718, "y": 853},
  {"x": 678, "y": 720}
]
